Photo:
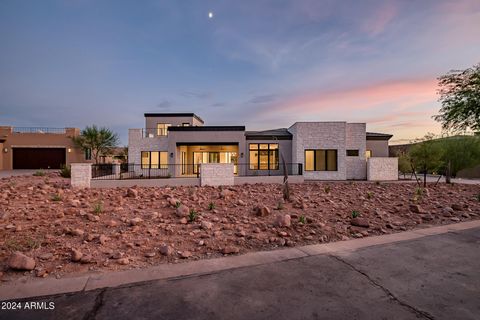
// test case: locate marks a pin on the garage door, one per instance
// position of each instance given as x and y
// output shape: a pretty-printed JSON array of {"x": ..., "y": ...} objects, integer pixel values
[{"x": 38, "y": 158}]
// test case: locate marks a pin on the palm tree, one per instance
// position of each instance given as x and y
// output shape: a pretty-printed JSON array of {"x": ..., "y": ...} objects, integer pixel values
[{"x": 99, "y": 140}]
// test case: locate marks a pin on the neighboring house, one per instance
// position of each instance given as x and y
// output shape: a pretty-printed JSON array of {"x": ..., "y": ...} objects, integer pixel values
[
  {"x": 179, "y": 143},
  {"x": 38, "y": 148}
]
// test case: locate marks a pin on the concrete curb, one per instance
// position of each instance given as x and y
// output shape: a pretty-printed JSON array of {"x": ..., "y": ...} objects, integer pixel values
[{"x": 43, "y": 287}]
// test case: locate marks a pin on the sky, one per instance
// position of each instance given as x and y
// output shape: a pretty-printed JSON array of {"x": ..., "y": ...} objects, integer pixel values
[{"x": 260, "y": 63}]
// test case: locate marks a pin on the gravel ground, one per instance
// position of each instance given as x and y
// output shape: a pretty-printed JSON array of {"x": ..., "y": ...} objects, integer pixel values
[{"x": 63, "y": 231}]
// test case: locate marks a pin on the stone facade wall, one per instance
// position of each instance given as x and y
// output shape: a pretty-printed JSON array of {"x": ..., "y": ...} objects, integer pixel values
[
  {"x": 216, "y": 174},
  {"x": 382, "y": 168},
  {"x": 81, "y": 175},
  {"x": 320, "y": 135},
  {"x": 137, "y": 143},
  {"x": 356, "y": 140}
]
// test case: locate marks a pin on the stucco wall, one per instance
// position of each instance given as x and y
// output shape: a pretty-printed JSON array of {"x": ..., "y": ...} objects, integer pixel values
[
  {"x": 379, "y": 148},
  {"x": 216, "y": 174},
  {"x": 39, "y": 140},
  {"x": 356, "y": 140},
  {"x": 151, "y": 122},
  {"x": 382, "y": 168},
  {"x": 320, "y": 135}
]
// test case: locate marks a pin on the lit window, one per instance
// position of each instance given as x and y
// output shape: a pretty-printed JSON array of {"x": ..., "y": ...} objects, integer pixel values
[
  {"x": 368, "y": 154},
  {"x": 321, "y": 160},
  {"x": 263, "y": 156},
  {"x": 162, "y": 129},
  {"x": 154, "y": 160}
]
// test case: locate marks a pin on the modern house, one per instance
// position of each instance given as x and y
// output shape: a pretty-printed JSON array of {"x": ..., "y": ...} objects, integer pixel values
[
  {"x": 177, "y": 143},
  {"x": 38, "y": 148}
]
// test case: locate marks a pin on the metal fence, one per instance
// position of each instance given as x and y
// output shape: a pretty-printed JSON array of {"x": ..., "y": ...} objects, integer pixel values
[
  {"x": 164, "y": 171},
  {"x": 38, "y": 130}
]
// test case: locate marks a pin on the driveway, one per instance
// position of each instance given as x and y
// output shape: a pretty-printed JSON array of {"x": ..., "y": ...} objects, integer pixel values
[
  {"x": 26, "y": 172},
  {"x": 432, "y": 277}
]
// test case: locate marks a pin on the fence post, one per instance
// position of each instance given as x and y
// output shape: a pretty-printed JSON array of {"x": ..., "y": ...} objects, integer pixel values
[
  {"x": 116, "y": 170},
  {"x": 81, "y": 175}
]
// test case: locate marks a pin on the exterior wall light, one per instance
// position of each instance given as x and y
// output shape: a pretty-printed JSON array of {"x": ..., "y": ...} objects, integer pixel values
[
  {"x": 69, "y": 150},
  {"x": 5, "y": 150},
  {"x": 171, "y": 154},
  {"x": 241, "y": 155}
]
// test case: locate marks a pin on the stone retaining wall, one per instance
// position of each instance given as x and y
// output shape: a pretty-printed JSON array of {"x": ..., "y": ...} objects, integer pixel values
[
  {"x": 382, "y": 168},
  {"x": 81, "y": 175},
  {"x": 216, "y": 174}
]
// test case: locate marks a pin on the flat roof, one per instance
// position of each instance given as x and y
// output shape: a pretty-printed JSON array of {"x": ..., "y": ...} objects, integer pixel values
[
  {"x": 208, "y": 128},
  {"x": 273, "y": 134},
  {"x": 187, "y": 114},
  {"x": 378, "y": 136}
]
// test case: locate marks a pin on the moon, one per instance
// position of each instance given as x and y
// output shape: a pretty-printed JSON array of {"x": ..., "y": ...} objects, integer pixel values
[{"x": 210, "y": 15}]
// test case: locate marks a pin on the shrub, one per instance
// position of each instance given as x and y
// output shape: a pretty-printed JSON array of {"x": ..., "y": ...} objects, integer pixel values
[
  {"x": 178, "y": 204},
  {"x": 302, "y": 220},
  {"x": 211, "y": 206},
  {"x": 56, "y": 197},
  {"x": 192, "y": 216},
  {"x": 355, "y": 213},
  {"x": 369, "y": 195},
  {"x": 66, "y": 171},
  {"x": 98, "y": 208},
  {"x": 327, "y": 189},
  {"x": 39, "y": 173}
]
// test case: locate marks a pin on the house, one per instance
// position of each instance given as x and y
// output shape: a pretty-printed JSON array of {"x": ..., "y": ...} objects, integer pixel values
[
  {"x": 178, "y": 143},
  {"x": 38, "y": 148}
]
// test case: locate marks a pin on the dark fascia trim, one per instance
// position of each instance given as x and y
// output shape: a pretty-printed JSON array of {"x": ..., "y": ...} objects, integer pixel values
[
  {"x": 207, "y": 144},
  {"x": 208, "y": 128},
  {"x": 174, "y": 115},
  {"x": 254, "y": 137},
  {"x": 386, "y": 138}
]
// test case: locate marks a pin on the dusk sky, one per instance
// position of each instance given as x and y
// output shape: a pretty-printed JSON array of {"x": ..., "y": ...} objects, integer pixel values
[{"x": 263, "y": 64}]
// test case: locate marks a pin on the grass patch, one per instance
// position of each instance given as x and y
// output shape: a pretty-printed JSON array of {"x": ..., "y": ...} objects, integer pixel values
[
  {"x": 369, "y": 194},
  {"x": 66, "y": 171},
  {"x": 56, "y": 197},
  {"x": 39, "y": 173},
  {"x": 98, "y": 208},
  {"x": 193, "y": 215},
  {"x": 211, "y": 206},
  {"x": 327, "y": 189},
  {"x": 355, "y": 213},
  {"x": 302, "y": 220},
  {"x": 25, "y": 244}
]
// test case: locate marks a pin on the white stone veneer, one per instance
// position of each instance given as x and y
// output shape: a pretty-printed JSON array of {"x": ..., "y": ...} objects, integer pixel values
[
  {"x": 216, "y": 174},
  {"x": 382, "y": 168},
  {"x": 81, "y": 175}
]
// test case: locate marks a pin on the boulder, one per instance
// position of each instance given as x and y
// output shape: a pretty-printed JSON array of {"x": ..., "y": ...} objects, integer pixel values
[
  {"x": 19, "y": 261},
  {"x": 182, "y": 211},
  {"x": 132, "y": 193},
  {"x": 76, "y": 255},
  {"x": 206, "y": 225},
  {"x": 283, "y": 220},
  {"x": 262, "y": 211},
  {"x": 360, "y": 222},
  {"x": 166, "y": 250}
]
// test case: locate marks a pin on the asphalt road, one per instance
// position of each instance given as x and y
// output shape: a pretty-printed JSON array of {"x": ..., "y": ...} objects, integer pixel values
[{"x": 434, "y": 277}]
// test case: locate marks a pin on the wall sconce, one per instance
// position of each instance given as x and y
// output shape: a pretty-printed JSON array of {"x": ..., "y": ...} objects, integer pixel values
[
  {"x": 69, "y": 150},
  {"x": 171, "y": 154},
  {"x": 241, "y": 154},
  {"x": 5, "y": 150}
]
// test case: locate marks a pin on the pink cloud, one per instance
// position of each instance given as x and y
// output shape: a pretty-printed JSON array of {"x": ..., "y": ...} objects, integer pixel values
[{"x": 383, "y": 16}]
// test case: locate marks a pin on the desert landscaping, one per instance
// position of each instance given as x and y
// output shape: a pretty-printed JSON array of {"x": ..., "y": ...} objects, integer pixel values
[{"x": 48, "y": 229}]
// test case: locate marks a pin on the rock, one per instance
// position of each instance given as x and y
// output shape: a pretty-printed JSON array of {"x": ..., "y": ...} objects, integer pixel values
[
  {"x": 283, "y": 220},
  {"x": 87, "y": 259},
  {"x": 186, "y": 254},
  {"x": 103, "y": 239},
  {"x": 77, "y": 232},
  {"x": 262, "y": 211},
  {"x": 457, "y": 207},
  {"x": 183, "y": 221},
  {"x": 360, "y": 222},
  {"x": 241, "y": 203},
  {"x": 465, "y": 215},
  {"x": 112, "y": 223},
  {"x": 117, "y": 255},
  {"x": 76, "y": 255},
  {"x": 166, "y": 250},
  {"x": 182, "y": 211},
  {"x": 455, "y": 219},
  {"x": 41, "y": 272},
  {"x": 447, "y": 211},
  {"x": 123, "y": 261},
  {"x": 173, "y": 201},
  {"x": 226, "y": 193},
  {"x": 135, "y": 221},
  {"x": 427, "y": 217},
  {"x": 93, "y": 218},
  {"x": 415, "y": 208},
  {"x": 241, "y": 234},
  {"x": 46, "y": 256},
  {"x": 149, "y": 254},
  {"x": 230, "y": 250},
  {"x": 75, "y": 203},
  {"x": 206, "y": 225},
  {"x": 132, "y": 193},
  {"x": 19, "y": 261}
]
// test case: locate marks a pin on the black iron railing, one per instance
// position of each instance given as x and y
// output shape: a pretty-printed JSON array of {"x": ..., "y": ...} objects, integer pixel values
[
  {"x": 38, "y": 130},
  {"x": 165, "y": 171}
]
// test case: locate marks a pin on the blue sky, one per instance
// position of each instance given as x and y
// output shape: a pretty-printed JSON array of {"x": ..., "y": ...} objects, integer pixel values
[{"x": 263, "y": 64}]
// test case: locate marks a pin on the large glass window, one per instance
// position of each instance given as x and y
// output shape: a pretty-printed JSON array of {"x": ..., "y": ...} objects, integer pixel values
[
  {"x": 154, "y": 159},
  {"x": 162, "y": 129},
  {"x": 263, "y": 156},
  {"x": 321, "y": 160}
]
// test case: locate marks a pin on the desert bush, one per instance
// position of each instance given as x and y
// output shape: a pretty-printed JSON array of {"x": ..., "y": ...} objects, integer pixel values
[
  {"x": 39, "y": 173},
  {"x": 98, "y": 208},
  {"x": 56, "y": 197},
  {"x": 302, "y": 219},
  {"x": 327, "y": 189},
  {"x": 355, "y": 213},
  {"x": 192, "y": 216},
  {"x": 66, "y": 171},
  {"x": 211, "y": 206}
]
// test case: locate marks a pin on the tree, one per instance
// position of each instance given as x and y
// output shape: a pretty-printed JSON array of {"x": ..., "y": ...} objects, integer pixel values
[
  {"x": 459, "y": 152},
  {"x": 99, "y": 140},
  {"x": 426, "y": 155},
  {"x": 404, "y": 163},
  {"x": 460, "y": 97}
]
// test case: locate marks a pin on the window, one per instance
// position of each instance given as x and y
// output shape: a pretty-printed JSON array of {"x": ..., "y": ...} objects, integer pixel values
[
  {"x": 352, "y": 153},
  {"x": 88, "y": 154},
  {"x": 368, "y": 154},
  {"x": 162, "y": 129},
  {"x": 263, "y": 156},
  {"x": 321, "y": 160},
  {"x": 154, "y": 160}
]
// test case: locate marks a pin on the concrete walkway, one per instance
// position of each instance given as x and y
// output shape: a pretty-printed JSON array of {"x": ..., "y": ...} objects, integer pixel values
[{"x": 423, "y": 274}]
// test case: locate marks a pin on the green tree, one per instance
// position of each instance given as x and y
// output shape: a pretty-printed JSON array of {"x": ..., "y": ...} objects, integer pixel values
[
  {"x": 426, "y": 155},
  {"x": 459, "y": 152},
  {"x": 404, "y": 163},
  {"x": 99, "y": 140},
  {"x": 460, "y": 97}
]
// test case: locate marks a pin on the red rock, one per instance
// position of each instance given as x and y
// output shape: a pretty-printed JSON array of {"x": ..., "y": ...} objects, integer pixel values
[
  {"x": 182, "y": 211},
  {"x": 166, "y": 250},
  {"x": 19, "y": 261},
  {"x": 359, "y": 222},
  {"x": 262, "y": 211},
  {"x": 76, "y": 255},
  {"x": 186, "y": 254},
  {"x": 230, "y": 250},
  {"x": 283, "y": 220}
]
